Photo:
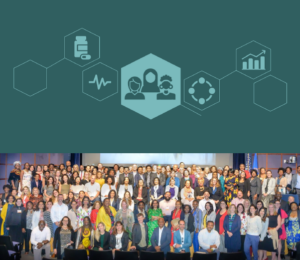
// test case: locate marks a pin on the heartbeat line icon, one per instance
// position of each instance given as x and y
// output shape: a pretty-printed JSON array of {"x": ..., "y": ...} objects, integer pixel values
[{"x": 99, "y": 84}]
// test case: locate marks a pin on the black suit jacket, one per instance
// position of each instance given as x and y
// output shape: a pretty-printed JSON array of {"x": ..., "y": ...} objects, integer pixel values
[
  {"x": 137, "y": 234},
  {"x": 124, "y": 241},
  {"x": 122, "y": 178},
  {"x": 144, "y": 195},
  {"x": 218, "y": 194},
  {"x": 40, "y": 185},
  {"x": 105, "y": 242}
]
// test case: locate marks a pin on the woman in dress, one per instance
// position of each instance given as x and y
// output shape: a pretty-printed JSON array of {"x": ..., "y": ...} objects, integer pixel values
[
  {"x": 262, "y": 253},
  {"x": 127, "y": 198},
  {"x": 77, "y": 187},
  {"x": 69, "y": 199},
  {"x": 232, "y": 226},
  {"x": 281, "y": 231},
  {"x": 13, "y": 222},
  {"x": 64, "y": 238},
  {"x": 99, "y": 179},
  {"x": 85, "y": 236},
  {"x": 119, "y": 238},
  {"x": 189, "y": 220},
  {"x": 80, "y": 198},
  {"x": 26, "y": 223},
  {"x": 35, "y": 197},
  {"x": 244, "y": 185},
  {"x": 244, "y": 217},
  {"x": 125, "y": 215},
  {"x": 208, "y": 215},
  {"x": 172, "y": 188},
  {"x": 270, "y": 242},
  {"x": 48, "y": 220},
  {"x": 125, "y": 187},
  {"x": 94, "y": 213},
  {"x": 157, "y": 191},
  {"x": 64, "y": 186},
  {"x": 293, "y": 229},
  {"x": 4, "y": 213},
  {"x": 102, "y": 238},
  {"x": 107, "y": 187},
  {"x": 187, "y": 194},
  {"x": 221, "y": 214},
  {"x": 231, "y": 186},
  {"x": 48, "y": 189},
  {"x": 106, "y": 215},
  {"x": 215, "y": 191},
  {"x": 178, "y": 212},
  {"x": 25, "y": 178},
  {"x": 84, "y": 211},
  {"x": 154, "y": 213},
  {"x": 25, "y": 195},
  {"x": 140, "y": 193}
]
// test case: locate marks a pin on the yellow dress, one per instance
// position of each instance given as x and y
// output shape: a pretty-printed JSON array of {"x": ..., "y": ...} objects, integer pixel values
[{"x": 104, "y": 218}]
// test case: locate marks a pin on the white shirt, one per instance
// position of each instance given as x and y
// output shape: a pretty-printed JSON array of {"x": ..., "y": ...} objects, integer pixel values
[
  {"x": 58, "y": 212},
  {"x": 203, "y": 202},
  {"x": 160, "y": 230},
  {"x": 207, "y": 239},
  {"x": 92, "y": 189},
  {"x": 35, "y": 219},
  {"x": 119, "y": 241},
  {"x": 289, "y": 178},
  {"x": 77, "y": 188},
  {"x": 105, "y": 190},
  {"x": 209, "y": 176},
  {"x": 122, "y": 190},
  {"x": 38, "y": 236},
  {"x": 81, "y": 174}
]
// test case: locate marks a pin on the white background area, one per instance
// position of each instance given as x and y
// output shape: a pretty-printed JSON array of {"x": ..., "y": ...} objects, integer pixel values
[{"x": 201, "y": 159}]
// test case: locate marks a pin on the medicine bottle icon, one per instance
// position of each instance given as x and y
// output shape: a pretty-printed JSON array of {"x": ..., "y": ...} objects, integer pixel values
[{"x": 81, "y": 48}]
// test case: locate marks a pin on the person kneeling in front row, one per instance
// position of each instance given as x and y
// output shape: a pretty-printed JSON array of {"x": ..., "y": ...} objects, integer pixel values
[
  {"x": 209, "y": 239},
  {"x": 40, "y": 238}
]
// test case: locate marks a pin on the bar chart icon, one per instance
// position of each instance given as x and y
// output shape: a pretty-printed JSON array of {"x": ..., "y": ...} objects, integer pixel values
[{"x": 254, "y": 62}]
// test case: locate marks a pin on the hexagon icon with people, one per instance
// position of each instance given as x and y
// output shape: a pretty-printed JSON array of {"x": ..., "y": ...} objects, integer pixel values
[{"x": 150, "y": 86}]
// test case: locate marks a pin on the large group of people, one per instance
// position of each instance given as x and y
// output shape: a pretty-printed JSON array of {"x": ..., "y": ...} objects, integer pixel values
[{"x": 153, "y": 208}]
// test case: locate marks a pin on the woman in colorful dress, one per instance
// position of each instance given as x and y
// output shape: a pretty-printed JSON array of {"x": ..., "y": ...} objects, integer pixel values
[
  {"x": 106, "y": 215},
  {"x": 154, "y": 214},
  {"x": 293, "y": 229},
  {"x": 85, "y": 236},
  {"x": 243, "y": 216},
  {"x": 125, "y": 215},
  {"x": 84, "y": 211},
  {"x": 231, "y": 185}
]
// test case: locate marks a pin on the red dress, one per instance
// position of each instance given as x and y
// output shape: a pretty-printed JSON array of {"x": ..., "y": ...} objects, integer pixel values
[
  {"x": 283, "y": 215},
  {"x": 93, "y": 217}
]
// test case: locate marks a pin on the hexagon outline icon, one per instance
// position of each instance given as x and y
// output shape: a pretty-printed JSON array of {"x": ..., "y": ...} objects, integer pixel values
[
  {"x": 286, "y": 91},
  {"x": 65, "y": 47},
  {"x": 117, "y": 77},
  {"x": 138, "y": 68},
  {"x": 236, "y": 62},
  {"x": 14, "y": 78},
  {"x": 219, "y": 86}
]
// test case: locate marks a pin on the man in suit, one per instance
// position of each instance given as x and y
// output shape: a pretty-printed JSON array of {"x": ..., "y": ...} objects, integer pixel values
[
  {"x": 81, "y": 172},
  {"x": 161, "y": 238},
  {"x": 37, "y": 183},
  {"x": 283, "y": 204},
  {"x": 140, "y": 209},
  {"x": 140, "y": 234},
  {"x": 134, "y": 170},
  {"x": 160, "y": 176},
  {"x": 124, "y": 175},
  {"x": 182, "y": 239},
  {"x": 140, "y": 176}
]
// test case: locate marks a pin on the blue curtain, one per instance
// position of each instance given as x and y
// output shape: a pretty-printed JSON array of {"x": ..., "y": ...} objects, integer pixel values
[
  {"x": 76, "y": 158},
  {"x": 238, "y": 158}
]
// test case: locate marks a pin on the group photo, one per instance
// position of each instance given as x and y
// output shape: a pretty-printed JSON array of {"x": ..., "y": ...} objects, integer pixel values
[{"x": 140, "y": 206}]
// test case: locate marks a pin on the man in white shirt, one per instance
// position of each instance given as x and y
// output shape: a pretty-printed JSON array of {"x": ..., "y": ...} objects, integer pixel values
[
  {"x": 167, "y": 206},
  {"x": 239, "y": 199},
  {"x": 40, "y": 238},
  {"x": 92, "y": 189},
  {"x": 58, "y": 211},
  {"x": 206, "y": 199},
  {"x": 209, "y": 239}
]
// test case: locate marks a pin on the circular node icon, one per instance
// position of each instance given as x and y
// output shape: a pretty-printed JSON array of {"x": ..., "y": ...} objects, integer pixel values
[
  {"x": 211, "y": 91},
  {"x": 202, "y": 80}
]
